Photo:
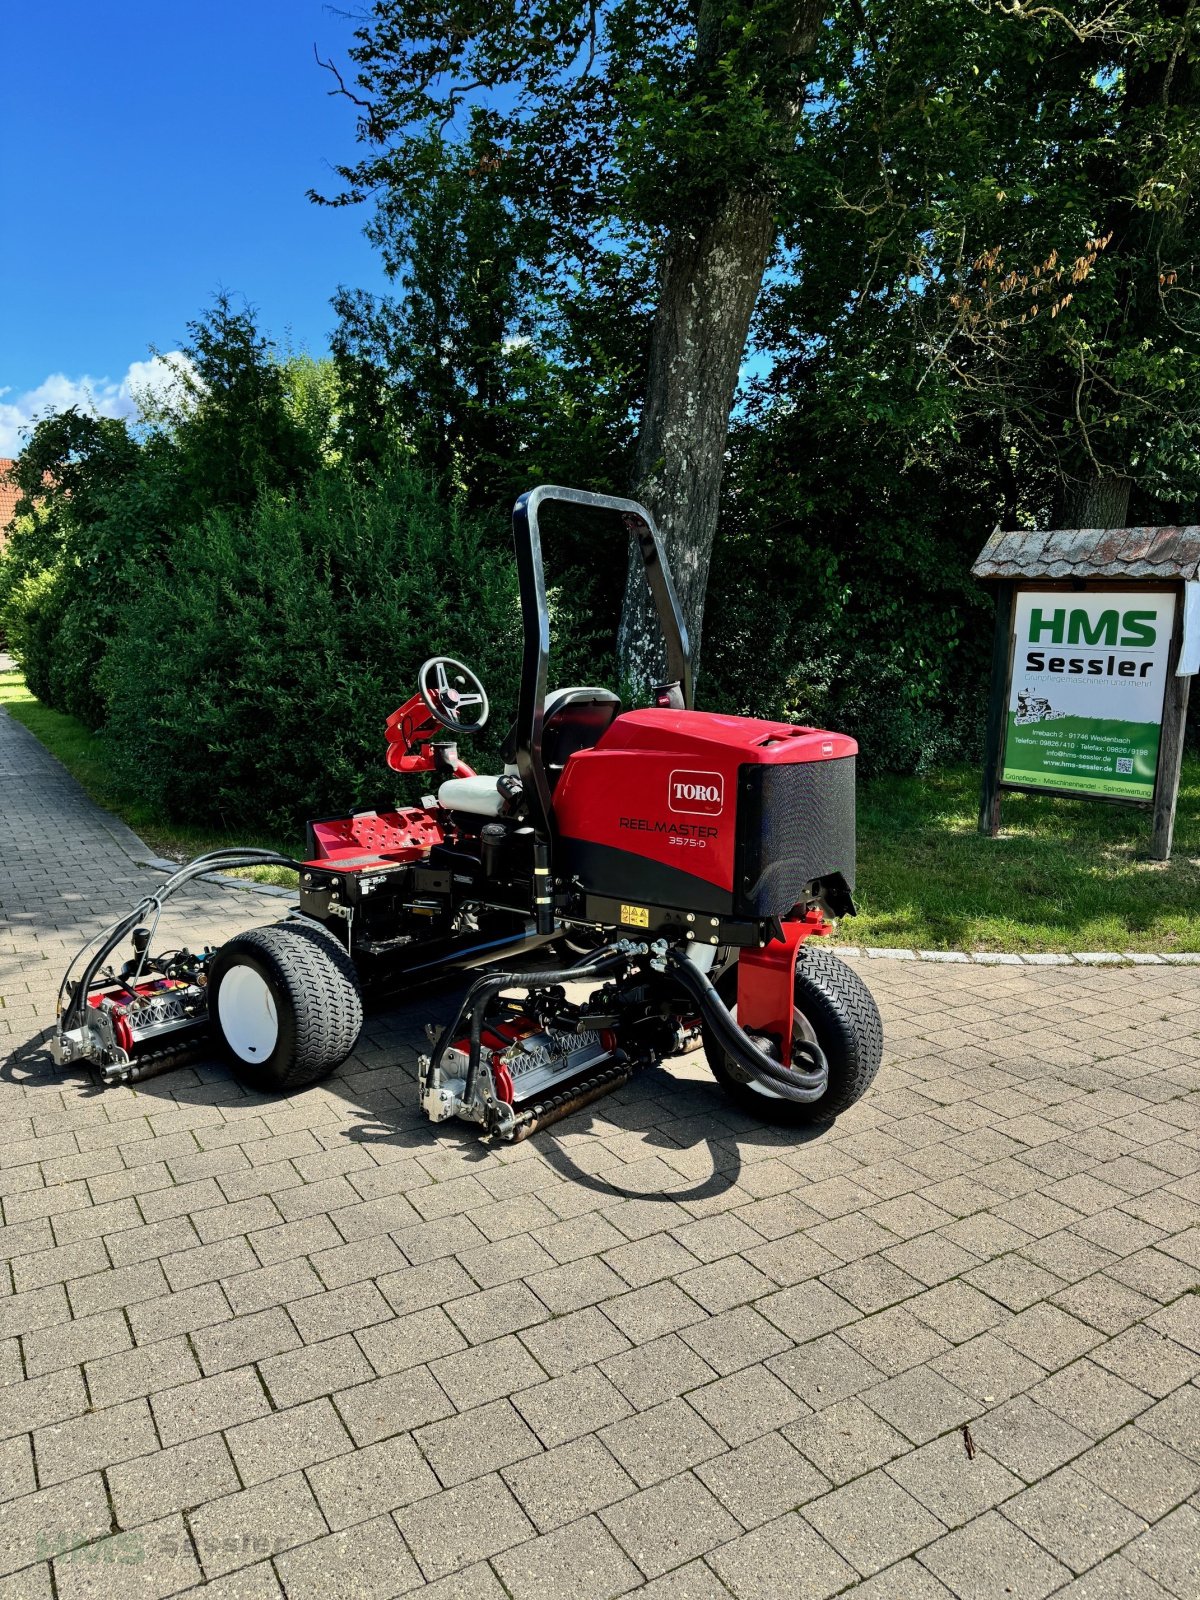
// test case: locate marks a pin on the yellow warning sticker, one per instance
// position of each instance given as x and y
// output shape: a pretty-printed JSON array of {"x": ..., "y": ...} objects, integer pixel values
[{"x": 636, "y": 916}]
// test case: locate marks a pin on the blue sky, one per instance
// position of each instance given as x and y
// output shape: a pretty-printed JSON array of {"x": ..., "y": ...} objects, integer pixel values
[{"x": 152, "y": 152}]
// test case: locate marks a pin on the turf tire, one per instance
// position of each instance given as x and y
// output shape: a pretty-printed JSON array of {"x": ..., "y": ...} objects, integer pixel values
[
  {"x": 839, "y": 1008},
  {"x": 315, "y": 993}
]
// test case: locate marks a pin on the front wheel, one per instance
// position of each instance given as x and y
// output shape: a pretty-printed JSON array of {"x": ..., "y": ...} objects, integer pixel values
[
  {"x": 834, "y": 1009},
  {"x": 285, "y": 1006}
]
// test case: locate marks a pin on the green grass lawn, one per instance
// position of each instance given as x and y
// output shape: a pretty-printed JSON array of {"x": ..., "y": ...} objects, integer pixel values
[{"x": 1064, "y": 874}]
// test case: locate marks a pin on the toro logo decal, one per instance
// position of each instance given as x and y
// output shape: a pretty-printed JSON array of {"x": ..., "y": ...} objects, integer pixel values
[{"x": 700, "y": 793}]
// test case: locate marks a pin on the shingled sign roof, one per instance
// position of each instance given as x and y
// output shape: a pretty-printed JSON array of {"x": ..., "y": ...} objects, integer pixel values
[{"x": 1163, "y": 554}]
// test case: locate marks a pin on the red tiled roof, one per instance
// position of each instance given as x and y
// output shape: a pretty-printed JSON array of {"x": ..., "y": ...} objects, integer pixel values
[{"x": 9, "y": 495}]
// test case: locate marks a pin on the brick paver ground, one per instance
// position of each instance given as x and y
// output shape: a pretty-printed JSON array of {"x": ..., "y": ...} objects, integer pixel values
[{"x": 315, "y": 1346}]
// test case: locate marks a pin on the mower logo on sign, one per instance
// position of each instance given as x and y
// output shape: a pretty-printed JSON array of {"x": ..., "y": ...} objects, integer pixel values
[{"x": 699, "y": 793}]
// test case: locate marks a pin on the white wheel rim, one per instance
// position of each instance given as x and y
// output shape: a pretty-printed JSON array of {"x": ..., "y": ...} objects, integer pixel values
[
  {"x": 246, "y": 1008},
  {"x": 801, "y": 1029}
]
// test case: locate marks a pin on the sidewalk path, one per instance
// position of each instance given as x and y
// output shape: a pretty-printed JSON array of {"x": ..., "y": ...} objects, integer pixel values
[{"x": 317, "y": 1347}]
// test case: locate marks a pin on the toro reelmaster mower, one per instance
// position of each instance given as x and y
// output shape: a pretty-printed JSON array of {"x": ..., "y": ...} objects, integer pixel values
[{"x": 675, "y": 869}]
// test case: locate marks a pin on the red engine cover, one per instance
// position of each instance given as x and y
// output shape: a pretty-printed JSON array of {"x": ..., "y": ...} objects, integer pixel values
[{"x": 662, "y": 785}]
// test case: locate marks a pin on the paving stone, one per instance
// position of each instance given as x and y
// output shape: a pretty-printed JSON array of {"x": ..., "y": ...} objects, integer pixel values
[
  {"x": 79, "y": 1445},
  {"x": 721, "y": 1285},
  {"x": 736, "y": 1339},
  {"x": 146, "y": 1563},
  {"x": 645, "y": 1314},
  {"x": 286, "y": 1441},
  {"x": 894, "y": 1340},
  {"x": 746, "y": 1404},
  {"x": 324, "y": 1316},
  {"x": 1027, "y": 1438},
  {"x": 807, "y": 1310},
  {"x": 210, "y": 1404},
  {"x": 568, "y": 1407},
  {"x": 69, "y": 1344},
  {"x": 1048, "y": 1335},
  {"x": 931, "y": 1259},
  {"x": 1148, "y": 1359},
  {"x": 487, "y": 1372},
  {"x": 1104, "y": 1303},
  {"x": 1170, "y": 1552},
  {"x": 1141, "y": 1472},
  {"x": 669, "y": 1524},
  {"x": 460, "y": 1526},
  {"x": 395, "y": 1404},
  {"x": 987, "y": 1370},
  {"x": 476, "y": 1443},
  {"x": 921, "y": 1404},
  {"x": 494, "y": 1312},
  {"x": 907, "y": 1580},
  {"x": 695, "y": 1581},
  {"x": 371, "y": 1481},
  {"x": 367, "y": 1562},
  {"x": 60, "y": 1518},
  {"x": 1073, "y": 1519},
  {"x": 872, "y": 1522},
  {"x": 245, "y": 1339},
  {"x": 1090, "y": 1398},
  {"x": 824, "y": 1371},
  {"x": 561, "y": 1485},
  {"x": 171, "y": 1480},
  {"x": 956, "y": 1487},
  {"x": 16, "y": 1468},
  {"x": 568, "y": 1343},
  {"x": 241, "y": 1528},
  {"x": 579, "y": 1562},
  {"x": 657, "y": 1371},
  {"x": 657, "y": 1444},
  {"x": 956, "y": 1311},
  {"x": 1176, "y": 1421},
  {"x": 172, "y": 1314},
  {"x": 786, "y": 1556},
  {"x": 145, "y": 1371},
  {"x": 761, "y": 1480},
  {"x": 846, "y": 1440},
  {"x": 410, "y": 1341},
  {"x": 1114, "y": 1579},
  {"x": 990, "y": 1558}
]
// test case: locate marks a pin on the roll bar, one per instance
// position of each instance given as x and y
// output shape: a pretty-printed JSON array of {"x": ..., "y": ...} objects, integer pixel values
[{"x": 536, "y": 625}]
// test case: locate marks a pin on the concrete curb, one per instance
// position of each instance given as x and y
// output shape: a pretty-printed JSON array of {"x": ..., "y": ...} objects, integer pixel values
[{"x": 996, "y": 958}]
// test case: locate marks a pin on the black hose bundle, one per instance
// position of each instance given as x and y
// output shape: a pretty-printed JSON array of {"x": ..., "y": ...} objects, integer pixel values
[
  {"x": 789, "y": 1083},
  {"x": 151, "y": 905}
]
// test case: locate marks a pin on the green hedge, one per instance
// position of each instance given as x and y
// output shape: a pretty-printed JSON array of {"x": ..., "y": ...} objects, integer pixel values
[{"x": 254, "y": 670}]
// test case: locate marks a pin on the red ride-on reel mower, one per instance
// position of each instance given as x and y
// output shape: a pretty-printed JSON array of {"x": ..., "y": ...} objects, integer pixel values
[{"x": 688, "y": 864}]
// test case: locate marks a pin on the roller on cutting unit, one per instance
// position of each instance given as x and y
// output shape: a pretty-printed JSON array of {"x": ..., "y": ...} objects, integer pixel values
[{"x": 633, "y": 884}]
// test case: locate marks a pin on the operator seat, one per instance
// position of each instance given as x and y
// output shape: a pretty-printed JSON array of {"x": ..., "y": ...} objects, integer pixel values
[{"x": 573, "y": 720}]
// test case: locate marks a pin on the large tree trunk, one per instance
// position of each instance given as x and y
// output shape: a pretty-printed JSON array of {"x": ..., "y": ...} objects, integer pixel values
[
  {"x": 1098, "y": 500},
  {"x": 709, "y": 283}
]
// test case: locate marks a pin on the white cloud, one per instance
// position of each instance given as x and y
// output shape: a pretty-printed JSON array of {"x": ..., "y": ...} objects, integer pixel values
[{"x": 144, "y": 389}]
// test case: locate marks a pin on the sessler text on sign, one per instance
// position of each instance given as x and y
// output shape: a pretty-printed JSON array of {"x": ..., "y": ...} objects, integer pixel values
[{"x": 1085, "y": 692}]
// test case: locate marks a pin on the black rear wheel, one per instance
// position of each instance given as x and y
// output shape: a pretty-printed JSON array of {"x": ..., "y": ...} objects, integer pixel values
[
  {"x": 284, "y": 1005},
  {"x": 835, "y": 1009}
]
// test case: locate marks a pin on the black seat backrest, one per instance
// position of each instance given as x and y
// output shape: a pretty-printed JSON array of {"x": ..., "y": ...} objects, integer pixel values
[{"x": 574, "y": 719}]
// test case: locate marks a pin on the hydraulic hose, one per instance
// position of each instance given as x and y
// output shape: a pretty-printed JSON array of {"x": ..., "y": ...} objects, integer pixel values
[
  {"x": 212, "y": 861},
  {"x": 789, "y": 1083},
  {"x": 475, "y": 1002}
]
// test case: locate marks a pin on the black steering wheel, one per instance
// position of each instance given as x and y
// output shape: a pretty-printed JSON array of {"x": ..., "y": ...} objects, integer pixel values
[{"x": 447, "y": 689}]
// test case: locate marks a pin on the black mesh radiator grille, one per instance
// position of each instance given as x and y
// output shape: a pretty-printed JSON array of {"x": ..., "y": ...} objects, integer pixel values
[{"x": 795, "y": 824}]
